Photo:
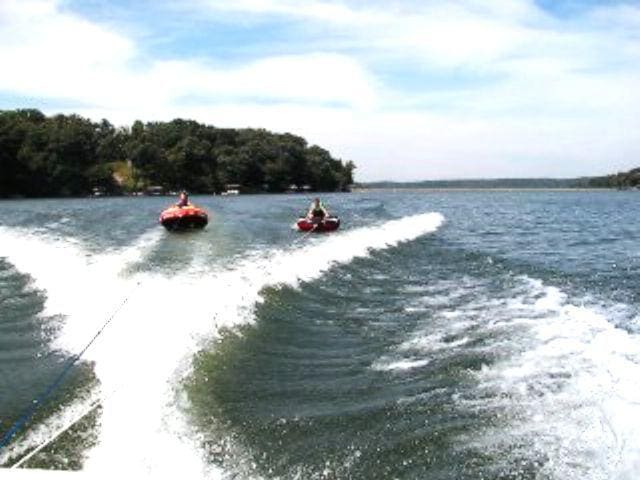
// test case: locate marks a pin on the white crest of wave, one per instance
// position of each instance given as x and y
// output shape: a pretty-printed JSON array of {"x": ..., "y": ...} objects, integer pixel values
[
  {"x": 384, "y": 365},
  {"x": 77, "y": 283},
  {"x": 574, "y": 389},
  {"x": 144, "y": 353},
  {"x": 564, "y": 383}
]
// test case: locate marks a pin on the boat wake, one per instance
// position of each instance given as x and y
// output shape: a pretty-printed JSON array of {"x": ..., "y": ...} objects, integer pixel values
[
  {"x": 572, "y": 393},
  {"x": 141, "y": 358},
  {"x": 554, "y": 375}
]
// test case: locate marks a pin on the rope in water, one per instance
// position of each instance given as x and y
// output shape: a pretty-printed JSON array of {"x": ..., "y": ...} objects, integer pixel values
[
  {"x": 95, "y": 404},
  {"x": 50, "y": 390},
  {"x": 28, "y": 414},
  {"x": 299, "y": 239}
]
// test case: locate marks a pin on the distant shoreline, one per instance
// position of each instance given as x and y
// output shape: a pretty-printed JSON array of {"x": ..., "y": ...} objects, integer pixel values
[
  {"x": 620, "y": 181},
  {"x": 353, "y": 190},
  {"x": 481, "y": 189}
]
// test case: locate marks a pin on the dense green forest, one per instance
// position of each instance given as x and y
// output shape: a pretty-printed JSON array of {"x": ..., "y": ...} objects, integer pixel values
[{"x": 68, "y": 155}]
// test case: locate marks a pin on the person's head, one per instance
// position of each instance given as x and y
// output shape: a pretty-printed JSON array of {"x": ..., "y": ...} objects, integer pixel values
[
  {"x": 316, "y": 202},
  {"x": 183, "y": 194}
]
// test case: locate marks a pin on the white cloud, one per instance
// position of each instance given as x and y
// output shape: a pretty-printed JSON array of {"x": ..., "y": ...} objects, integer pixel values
[
  {"x": 539, "y": 64},
  {"x": 53, "y": 54},
  {"x": 46, "y": 53},
  {"x": 325, "y": 11},
  {"x": 625, "y": 16},
  {"x": 314, "y": 78}
]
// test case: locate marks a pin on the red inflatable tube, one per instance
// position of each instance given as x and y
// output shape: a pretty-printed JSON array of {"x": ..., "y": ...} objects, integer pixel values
[
  {"x": 184, "y": 218},
  {"x": 329, "y": 224}
]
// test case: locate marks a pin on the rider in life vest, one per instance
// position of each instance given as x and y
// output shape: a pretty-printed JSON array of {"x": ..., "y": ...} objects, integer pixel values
[
  {"x": 317, "y": 211},
  {"x": 183, "y": 200}
]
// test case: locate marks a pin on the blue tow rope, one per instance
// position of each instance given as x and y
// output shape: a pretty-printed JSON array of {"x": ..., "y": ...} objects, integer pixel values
[{"x": 38, "y": 402}]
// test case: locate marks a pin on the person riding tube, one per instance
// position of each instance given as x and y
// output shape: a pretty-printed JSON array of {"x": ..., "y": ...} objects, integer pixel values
[
  {"x": 317, "y": 211},
  {"x": 183, "y": 200}
]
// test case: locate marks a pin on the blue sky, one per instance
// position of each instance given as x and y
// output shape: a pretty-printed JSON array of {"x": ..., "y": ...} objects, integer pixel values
[{"x": 408, "y": 90}]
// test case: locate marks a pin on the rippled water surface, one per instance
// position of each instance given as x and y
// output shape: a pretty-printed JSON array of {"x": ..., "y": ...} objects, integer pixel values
[{"x": 440, "y": 335}]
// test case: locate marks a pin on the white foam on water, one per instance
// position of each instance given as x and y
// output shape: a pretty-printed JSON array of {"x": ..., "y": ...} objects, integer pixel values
[
  {"x": 141, "y": 357},
  {"x": 564, "y": 383},
  {"x": 41, "y": 433},
  {"x": 77, "y": 283},
  {"x": 572, "y": 393},
  {"x": 430, "y": 299},
  {"x": 387, "y": 365}
]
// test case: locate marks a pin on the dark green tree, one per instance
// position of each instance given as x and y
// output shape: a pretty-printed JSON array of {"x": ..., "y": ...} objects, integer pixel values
[{"x": 70, "y": 155}]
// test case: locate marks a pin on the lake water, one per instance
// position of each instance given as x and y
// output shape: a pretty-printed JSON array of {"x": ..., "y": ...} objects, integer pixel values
[{"x": 440, "y": 335}]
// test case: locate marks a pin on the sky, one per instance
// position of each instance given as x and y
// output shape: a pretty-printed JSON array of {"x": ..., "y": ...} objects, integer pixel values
[{"x": 408, "y": 90}]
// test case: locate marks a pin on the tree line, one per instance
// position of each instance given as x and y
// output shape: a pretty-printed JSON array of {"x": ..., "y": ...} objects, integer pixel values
[
  {"x": 489, "y": 183},
  {"x": 68, "y": 155},
  {"x": 621, "y": 180}
]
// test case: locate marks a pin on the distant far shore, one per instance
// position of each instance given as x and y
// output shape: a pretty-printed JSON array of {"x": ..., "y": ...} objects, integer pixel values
[
  {"x": 621, "y": 181},
  {"x": 482, "y": 189}
]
